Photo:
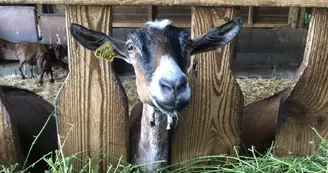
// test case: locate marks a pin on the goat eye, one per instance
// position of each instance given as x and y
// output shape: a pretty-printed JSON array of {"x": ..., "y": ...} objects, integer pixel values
[{"x": 130, "y": 47}]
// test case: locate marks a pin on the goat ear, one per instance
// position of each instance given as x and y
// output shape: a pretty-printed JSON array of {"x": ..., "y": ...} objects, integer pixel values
[
  {"x": 216, "y": 37},
  {"x": 92, "y": 40}
]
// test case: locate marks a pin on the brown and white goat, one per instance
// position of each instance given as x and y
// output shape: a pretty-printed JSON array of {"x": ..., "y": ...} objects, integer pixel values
[
  {"x": 160, "y": 54},
  {"x": 33, "y": 54}
]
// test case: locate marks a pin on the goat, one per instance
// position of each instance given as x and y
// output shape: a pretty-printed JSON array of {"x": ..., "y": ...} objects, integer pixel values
[
  {"x": 33, "y": 54},
  {"x": 61, "y": 54},
  {"x": 28, "y": 113},
  {"x": 259, "y": 124},
  {"x": 161, "y": 56}
]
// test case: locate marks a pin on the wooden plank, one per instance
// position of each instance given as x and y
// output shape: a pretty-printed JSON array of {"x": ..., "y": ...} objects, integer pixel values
[
  {"x": 8, "y": 143},
  {"x": 293, "y": 17},
  {"x": 301, "y": 20},
  {"x": 266, "y": 25},
  {"x": 152, "y": 11},
  {"x": 270, "y": 3},
  {"x": 270, "y": 15},
  {"x": 91, "y": 107},
  {"x": 39, "y": 8},
  {"x": 250, "y": 15},
  {"x": 306, "y": 106},
  {"x": 210, "y": 125}
]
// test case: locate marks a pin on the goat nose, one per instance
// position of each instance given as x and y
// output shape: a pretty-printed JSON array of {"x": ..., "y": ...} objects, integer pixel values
[{"x": 173, "y": 85}]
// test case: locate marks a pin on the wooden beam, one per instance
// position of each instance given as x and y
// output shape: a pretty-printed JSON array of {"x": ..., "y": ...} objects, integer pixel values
[
  {"x": 306, "y": 105},
  {"x": 210, "y": 124},
  {"x": 293, "y": 17},
  {"x": 266, "y": 25},
  {"x": 250, "y": 15},
  {"x": 301, "y": 19},
  {"x": 91, "y": 107},
  {"x": 269, "y": 3},
  {"x": 9, "y": 144},
  {"x": 152, "y": 12}
]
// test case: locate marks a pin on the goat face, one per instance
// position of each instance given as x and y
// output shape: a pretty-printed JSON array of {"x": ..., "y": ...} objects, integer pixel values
[{"x": 160, "y": 54}]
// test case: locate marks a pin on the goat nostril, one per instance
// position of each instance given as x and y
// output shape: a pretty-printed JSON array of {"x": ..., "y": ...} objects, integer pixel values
[
  {"x": 165, "y": 85},
  {"x": 182, "y": 83}
]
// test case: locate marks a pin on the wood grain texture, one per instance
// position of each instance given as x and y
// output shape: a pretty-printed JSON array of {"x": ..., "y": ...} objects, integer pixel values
[
  {"x": 8, "y": 152},
  {"x": 271, "y": 3},
  {"x": 92, "y": 105},
  {"x": 250, "y": 15},
  {"x": 10, "y": 149},
  {"x": 307, "y": 104},
  {"x": 210, "y": 125},
  {"x": 293, "y": 17}
]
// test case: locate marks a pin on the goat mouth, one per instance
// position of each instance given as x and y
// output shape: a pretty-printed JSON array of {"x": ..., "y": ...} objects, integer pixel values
[{"x": 164, "y": 108}]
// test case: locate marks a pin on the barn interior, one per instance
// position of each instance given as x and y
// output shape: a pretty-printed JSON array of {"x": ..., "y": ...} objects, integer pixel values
[{"x": 270, "y": 46}]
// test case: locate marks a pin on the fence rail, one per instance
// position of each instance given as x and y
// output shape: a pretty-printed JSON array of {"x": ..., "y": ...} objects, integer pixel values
[{"x": 271, "y": 3}]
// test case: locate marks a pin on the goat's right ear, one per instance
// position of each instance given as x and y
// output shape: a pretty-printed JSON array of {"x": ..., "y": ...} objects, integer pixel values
[{"x": 92, "y": 40}]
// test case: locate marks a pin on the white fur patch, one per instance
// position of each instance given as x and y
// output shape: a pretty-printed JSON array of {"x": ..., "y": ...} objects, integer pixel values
[
  {"x": 159, "y": 24},
  {"x": 169, "y": 70}
]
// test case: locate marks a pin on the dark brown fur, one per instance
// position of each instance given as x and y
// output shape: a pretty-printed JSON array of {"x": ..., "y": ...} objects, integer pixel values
[
  {"x": 33, "y": 54},
  {"x": 60, "y": 52}
]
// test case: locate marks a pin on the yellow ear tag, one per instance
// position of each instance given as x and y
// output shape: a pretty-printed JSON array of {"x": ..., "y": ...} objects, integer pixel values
[{"x": 105, "y": 52}]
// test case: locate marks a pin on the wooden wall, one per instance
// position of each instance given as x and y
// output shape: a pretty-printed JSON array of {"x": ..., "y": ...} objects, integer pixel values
[{"x": 136, "y": 16}]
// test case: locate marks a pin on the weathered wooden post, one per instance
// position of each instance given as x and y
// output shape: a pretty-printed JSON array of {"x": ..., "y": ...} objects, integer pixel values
[
  {"x": 211, "y": 123},
  {"x": 307, "y": 104},
  {"x": 91, "y": 107},
  {"x": 9, "y": 145}
]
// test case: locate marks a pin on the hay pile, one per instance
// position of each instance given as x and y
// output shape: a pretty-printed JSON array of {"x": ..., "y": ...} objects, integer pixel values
[
  {"x": 254, "y": 89},
  {"x": 48, "y": 90}
]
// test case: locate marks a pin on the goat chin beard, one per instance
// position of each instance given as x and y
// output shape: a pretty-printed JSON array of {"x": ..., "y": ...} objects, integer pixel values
[{"x": 169, "y": 118}]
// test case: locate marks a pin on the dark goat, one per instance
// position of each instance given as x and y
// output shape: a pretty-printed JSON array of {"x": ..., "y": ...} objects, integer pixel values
[
  {"x": 33, "y": 54},
  {"x": 60, "y": 52},
  {"x": 28, "y": 113}
]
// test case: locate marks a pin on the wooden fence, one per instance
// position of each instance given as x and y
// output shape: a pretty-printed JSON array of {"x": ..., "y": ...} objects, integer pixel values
[{"x": 91, "y": 107}]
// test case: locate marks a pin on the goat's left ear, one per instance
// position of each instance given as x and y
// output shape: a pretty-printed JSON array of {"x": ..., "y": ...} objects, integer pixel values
[
  {"x": 216, "y": 37},
  {"x": 92, "y": 40}
]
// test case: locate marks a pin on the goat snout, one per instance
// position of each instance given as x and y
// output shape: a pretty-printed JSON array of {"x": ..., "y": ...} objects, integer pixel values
[
  {"x": 169, "y": 87},
  {"x": 173, "y": 86},
  {"x": 174, "y": 93}
]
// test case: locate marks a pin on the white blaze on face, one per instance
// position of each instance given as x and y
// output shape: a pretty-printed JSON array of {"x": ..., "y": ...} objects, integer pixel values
[
  {"x": 159, "y": 24},
  {"x": 170, "y": 71}
]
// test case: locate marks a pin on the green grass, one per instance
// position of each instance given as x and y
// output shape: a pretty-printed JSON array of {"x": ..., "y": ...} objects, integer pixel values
[{"x": 207, "y": 164}]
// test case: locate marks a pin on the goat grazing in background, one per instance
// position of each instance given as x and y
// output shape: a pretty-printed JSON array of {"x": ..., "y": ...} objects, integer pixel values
[
  {"x": 33, "y": 54},
  {"x": 160, "y": 54}
]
